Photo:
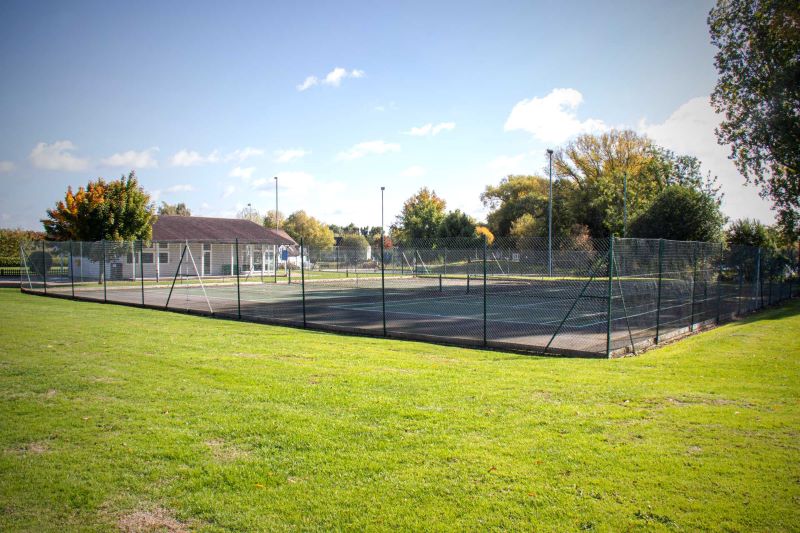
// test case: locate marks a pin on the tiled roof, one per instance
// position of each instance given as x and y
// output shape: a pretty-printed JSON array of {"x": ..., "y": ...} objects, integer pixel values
[{"x": 176, "y": 228}]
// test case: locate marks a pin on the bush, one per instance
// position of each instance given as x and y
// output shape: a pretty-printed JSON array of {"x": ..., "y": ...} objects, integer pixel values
[{"x": 9, "y": 261}]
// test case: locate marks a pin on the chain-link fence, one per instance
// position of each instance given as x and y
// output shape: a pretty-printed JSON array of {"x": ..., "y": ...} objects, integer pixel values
[{"x": 604, "y": 297}]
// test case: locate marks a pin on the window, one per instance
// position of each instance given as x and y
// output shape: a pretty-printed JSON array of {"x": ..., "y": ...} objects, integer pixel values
[
  {"x": 163, "y": 257},
  {"x": 206, "y": 247},
  {"x": 147, "y": 257},
  {"x": 163, "y": 246},
  {"x": 130, "y": 258}
]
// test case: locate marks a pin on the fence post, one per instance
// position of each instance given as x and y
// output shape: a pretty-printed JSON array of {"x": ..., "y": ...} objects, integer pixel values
[
  {"x": 103, "y": 245},
  {"x": 660, "y": 281},
  {"x": 383, "y": 285},
  {"x": 44, "y": 268},
  {"x": 238, "y": 290},
  {"x": 141, "y": 266},
  {"x": 484, "y": 290},
  {"x": 759, "y": 284},
  {"x": 71, "y": 270},
  {"x": 694, "y": 283},
  {"x": 303, "y": 278},
  {"x": 719, "y": 283},
  {"x": 610, "y": 289},
  {"x": 445, "y": 261}
]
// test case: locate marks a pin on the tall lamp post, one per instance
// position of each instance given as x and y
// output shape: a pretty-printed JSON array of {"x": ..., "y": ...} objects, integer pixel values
[
  {"x": 382, "y": 189},
  {"x": 625, "y": 205},
  {"x": 276, "y": 204},
  {"x": 550, "y": 218},
  {"x": 275, "y": 248}
]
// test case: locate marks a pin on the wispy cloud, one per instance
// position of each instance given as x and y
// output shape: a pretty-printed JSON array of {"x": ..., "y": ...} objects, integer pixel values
[
  {"x": 284, "y": 156},
  {"x": 505, "y": 165},
  {"x": 190, "y": 158},
  {"x": 132, "y": 159},
  {"x": 244, "y": 153},
  {"x": 333, "y": 78},
  {"x": 57, "y": 156},
  {"x": 552, "y": 118},
  {"x": 244, "y": 173},
  {"x": 414, "y": 171},
  {"x": 367, "y": 148},
  {"x": 179, "y": 188},
  {"x": 229, "y": 190},
  {"x": 431, "y": 129},
  {"x": 6, "y": 167}
]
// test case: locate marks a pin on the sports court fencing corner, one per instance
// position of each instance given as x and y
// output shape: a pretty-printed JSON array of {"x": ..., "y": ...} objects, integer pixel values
[{"x": 587, "y": 297}]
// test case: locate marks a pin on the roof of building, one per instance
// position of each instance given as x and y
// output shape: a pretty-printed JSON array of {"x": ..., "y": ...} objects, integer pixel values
[{"x": 177, "y": 228}]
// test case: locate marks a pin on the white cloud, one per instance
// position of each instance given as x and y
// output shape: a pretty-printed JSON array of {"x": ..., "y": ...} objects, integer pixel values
[
  {"x": 552, "y": 118},
  {"x": 57, "y": 156},
  {"x": 333, "y": 78},
  {"x": 229, "y": 190},
  {"x": 132, "y": 159},
  {"x": 505, "y": 165},
  {"x": 244, "y": 153},
  {"x": 414, "y": 171},
  {"x": 244, "y": 173},
  {"x": 690, "y": 130},
  {"x": 366, "y": 148},
  {"x": 179, "y": 188},
  {"x": 431, "y": 129},
  {"x": 190, "y": 158},
  {"x": 309, "y": 82},
  {"x": 284, "y": 156},
  {"x": 7, "y": 166}
]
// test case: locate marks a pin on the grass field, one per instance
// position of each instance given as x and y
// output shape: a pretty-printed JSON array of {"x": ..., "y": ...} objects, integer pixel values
[{"x": 115, "y": 417}]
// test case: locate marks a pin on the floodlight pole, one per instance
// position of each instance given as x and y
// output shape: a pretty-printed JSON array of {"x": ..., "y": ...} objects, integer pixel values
[
  {"x": 550, "y": 218},
  {"x": 383, "y": 271},
  {"x": 277, "y": 224},
  {"x": 625, "y": 205}
]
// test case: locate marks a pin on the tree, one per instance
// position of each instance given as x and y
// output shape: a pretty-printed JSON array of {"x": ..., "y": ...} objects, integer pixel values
[
  {"x": 269, "y": 219},
  {"x": 483, "y": 232},
  {"x": 420, "y": 217},
  {"x": 174, "y": 210},
  {"x": 750, "y": 232},
  {"x": 680, "y": 213},
  {"x": 526, "y": 232},
  {"x": 250, "y": 213},
  {"x": 10, "y": 242},
  {"x": 758, "y": 90},
  {"x": 315, "y": 235},
  {"x": 456, "y": 224},
  {"x": 512, "y": 198},
  {"x": 115, "y": 211}
]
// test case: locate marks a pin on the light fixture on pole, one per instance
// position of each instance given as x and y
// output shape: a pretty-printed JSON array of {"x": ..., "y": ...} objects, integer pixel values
[
  {"x": 382, "y": 189},
  {"x": 277, "y": 218},
  {"x": 550, "y": 218}
]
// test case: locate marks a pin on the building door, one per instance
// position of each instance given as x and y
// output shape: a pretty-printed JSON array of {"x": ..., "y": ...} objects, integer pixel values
[{"x": 206, "y": 259}]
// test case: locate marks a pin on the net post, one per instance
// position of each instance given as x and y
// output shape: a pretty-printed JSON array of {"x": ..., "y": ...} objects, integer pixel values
[
  {"x": 609, "y": 295},
  {"x": 71, "y": 270},
  {"x": 383, "y": 286},
  {"x": 103, "y": 246},
  {"x": 303, "y": 278},
  {"x": 44, "y": 268},
  {"x": 660, "y": 282},
  {"x": 174, "y": 279},
  {"x": 719, "y": 284},
  {"x": 484, "y": 289},
  {"x": 238, "y": 291}
]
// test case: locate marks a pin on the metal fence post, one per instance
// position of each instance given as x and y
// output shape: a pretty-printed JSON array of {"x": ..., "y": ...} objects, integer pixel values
[
  {"x": 238, "y": 290},
  {"x": 71, "y": 270},
  {"x": 610, "y": 289},
  {"x": 44, "y": 268},
  {"x": 103, "y": 245},
  {"x": 141, "y": 266},
  {"x": 660, "y": 281},
  {"x": 694, "y": 283},
  {"x": 484, "y": 290},
  {"x": 303, "y": 278},
  {"x": 383, "y": 285},
  {"x": 719, "y": 283},
  {"x": 759, "y": 284}
]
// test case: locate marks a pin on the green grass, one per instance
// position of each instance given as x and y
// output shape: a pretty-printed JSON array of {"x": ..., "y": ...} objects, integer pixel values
[{"x": 117, "y": 417}]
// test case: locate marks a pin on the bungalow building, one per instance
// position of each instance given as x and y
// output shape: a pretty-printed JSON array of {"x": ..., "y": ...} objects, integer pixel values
[{"x": 207, "y": 246}]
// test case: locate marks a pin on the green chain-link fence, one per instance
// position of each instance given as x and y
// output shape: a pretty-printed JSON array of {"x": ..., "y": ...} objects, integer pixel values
[{"x": 603, "y": 297}]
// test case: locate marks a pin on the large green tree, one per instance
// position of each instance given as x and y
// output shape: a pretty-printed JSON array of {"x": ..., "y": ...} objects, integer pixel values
[
  {"x": 315, "y": 234},
  {"x": 420, "y": 217},
  {"x": 751, "y": 232},
  {"x": 115, "y": 211},
  {"x": 174, "y": 210},
  {"x": 457, "y": 224},
  {"x": 758, "y": 90},
  {"x": 680, "y": 213}
]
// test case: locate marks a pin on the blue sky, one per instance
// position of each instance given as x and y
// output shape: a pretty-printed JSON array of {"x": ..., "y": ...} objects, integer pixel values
[{"x": 209, "y": 101}]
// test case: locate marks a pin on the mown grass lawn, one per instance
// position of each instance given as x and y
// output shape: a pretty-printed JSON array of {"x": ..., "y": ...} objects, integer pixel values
[{"x": 115, "y": 417}]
